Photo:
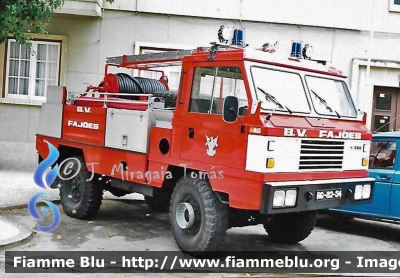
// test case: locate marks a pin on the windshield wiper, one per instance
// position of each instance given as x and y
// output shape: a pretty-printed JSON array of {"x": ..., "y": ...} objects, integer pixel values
[
  {"x": 323, "y": 101},
  {"x": 272, "y": 99}
]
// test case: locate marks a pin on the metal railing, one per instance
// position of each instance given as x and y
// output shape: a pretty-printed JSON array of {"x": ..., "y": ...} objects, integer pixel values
[
  {"x": 157, "y": 58},
  {"x": 105, "y": 98}
]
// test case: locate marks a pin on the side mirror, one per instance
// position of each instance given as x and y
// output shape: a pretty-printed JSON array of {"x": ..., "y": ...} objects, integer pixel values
[{"x": 230, "y": 109}]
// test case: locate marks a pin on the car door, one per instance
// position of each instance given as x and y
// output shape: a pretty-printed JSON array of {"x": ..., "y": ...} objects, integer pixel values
[
  {"x": 205, "y": 136},
  {"x": 382, "y": 168},
  {"x": 395, "y": 193}
]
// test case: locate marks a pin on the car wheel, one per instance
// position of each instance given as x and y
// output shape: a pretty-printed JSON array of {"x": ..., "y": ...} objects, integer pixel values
[
  {"x": 80, "y": 197},
  {"x": 291, "y": 228},
  {"x": 198, "y": 219}
]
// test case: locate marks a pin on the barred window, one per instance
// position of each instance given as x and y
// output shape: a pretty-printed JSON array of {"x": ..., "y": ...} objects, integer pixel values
[
  {"x": 172, "y": 73},
  {"x": 31, "y": 68}
]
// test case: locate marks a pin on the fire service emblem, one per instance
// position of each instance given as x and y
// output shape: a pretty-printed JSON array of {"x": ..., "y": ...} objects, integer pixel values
[{"x": 211, "y": 144}]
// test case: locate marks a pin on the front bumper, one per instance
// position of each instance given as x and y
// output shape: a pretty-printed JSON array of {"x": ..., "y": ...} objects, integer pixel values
[{"x": 307, "y": 192}]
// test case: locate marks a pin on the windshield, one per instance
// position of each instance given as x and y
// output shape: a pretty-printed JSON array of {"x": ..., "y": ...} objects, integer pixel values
[
  {"x": 330, "y": 97},
  {"x": 280, "y": 90}
]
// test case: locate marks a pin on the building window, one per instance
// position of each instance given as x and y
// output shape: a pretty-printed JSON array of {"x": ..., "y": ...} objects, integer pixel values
[
  {"x": 394, "y": 5},
  {"x": 171, "y": 73},
  {"x": 31, "y": 68}
]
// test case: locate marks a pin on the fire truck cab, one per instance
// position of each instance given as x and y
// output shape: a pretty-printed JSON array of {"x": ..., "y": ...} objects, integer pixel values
[{"x": 249, "y": 138}]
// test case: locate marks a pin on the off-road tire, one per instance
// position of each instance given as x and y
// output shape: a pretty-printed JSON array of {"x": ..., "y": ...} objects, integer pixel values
[
  {"x": 291, "y": 228},
  {"x": 159, "y": 202},
  {"x": 91, "y": 194},
  {"x": 211, "y": 220}
]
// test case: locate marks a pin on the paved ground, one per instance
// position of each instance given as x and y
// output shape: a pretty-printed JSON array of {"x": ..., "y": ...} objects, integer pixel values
[
  {"x": 17, "y": 188},
  {"x": 128, "y": 224},
  {"x": 11, "y": 234}
]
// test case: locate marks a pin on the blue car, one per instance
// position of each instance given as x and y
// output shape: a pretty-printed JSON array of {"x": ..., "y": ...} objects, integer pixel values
[{"x": 384, "y": 166}]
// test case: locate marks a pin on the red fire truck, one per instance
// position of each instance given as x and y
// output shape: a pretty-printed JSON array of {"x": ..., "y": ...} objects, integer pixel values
[{"x": 248, "y": 138}]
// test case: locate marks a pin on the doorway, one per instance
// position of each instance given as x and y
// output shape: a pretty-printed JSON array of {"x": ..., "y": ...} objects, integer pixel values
[{"x": 386, "y": 109}]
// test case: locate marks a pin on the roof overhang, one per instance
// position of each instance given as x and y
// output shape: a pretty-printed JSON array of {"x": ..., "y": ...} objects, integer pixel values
[{"x": 82, "y": 7}]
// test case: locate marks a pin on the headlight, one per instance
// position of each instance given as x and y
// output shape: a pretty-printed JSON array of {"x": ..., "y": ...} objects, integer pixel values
[
  {"x": 366, "y": 191},
  {"x": 358, "y": 192},
  {"x": 290, "y": 199},
  {"x": 284, "y": 198},
  {"x": 279, "y": 198},
  {"x": 362, "y": 192}
]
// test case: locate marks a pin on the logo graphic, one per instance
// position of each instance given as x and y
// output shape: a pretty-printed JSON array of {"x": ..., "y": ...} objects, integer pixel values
[
  {"x": 35, "y": 214},
  {"x": 42, "y": 167},
  {"x": 211, "y": 144},
  {"x": 45, "y": 182}
]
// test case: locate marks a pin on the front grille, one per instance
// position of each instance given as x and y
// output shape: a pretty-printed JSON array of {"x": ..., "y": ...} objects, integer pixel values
[{"x": 321, "y": 154}]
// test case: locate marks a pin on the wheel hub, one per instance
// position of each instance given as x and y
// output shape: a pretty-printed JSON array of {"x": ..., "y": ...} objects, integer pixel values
[
  {"x": 185, "y": 215},
  {"x": 75, "y": 190}
]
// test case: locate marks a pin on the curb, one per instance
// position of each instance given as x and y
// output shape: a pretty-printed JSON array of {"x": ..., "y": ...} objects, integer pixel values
[
  {"x": 17, "y": 243},
  {"x": 23, "y": 235},
  {"x": 106, "y": 196},
  {"x": 24, "y": 206}
]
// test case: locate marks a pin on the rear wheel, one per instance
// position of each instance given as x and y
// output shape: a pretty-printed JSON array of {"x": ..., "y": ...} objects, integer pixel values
[
  {"x": 80, "y": 197},
  {"x": 198, "y": 219},
  {"x": 291, "y": 228}
]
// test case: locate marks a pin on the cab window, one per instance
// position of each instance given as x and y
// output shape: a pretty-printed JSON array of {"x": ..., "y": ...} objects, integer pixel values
[
  {"x": 211, "y": 85},
  {"x": 383, "y": 155}
]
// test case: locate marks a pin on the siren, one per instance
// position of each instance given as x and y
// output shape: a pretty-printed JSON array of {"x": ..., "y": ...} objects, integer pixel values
[
  {"x": 238, "y": 37},
  {"x": 224, "y": 34},
  {"x": 233, "y": 36},
  {"x": 298, "y": 51},
  {"x": 307, "y": 52}
]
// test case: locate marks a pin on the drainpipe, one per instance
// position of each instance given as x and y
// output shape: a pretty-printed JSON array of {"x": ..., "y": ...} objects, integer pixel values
[{"x": 368, "y": 71}]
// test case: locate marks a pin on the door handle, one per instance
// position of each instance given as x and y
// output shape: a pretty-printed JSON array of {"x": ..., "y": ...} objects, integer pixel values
[
  {"x": 384, "y": 177},
  {"x": 191, "y": 132}
]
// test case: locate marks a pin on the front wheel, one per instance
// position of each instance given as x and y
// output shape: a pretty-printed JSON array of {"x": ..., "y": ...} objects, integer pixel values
[
  {"x": 80, "y": 197},
  {"x": 198, "y": 219},
  {"x": 291, "y": 228}
]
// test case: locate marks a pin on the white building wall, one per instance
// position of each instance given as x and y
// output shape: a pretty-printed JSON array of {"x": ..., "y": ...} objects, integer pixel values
[
  {"x": 84, "y": 43},
  {"x": 338, "y": 30},
  {"x": 91, "y": 40},
  {"x": 338, "y": 14}
]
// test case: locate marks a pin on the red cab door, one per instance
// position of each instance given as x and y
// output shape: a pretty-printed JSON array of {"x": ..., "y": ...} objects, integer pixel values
[{"x": 206, "y": 137}]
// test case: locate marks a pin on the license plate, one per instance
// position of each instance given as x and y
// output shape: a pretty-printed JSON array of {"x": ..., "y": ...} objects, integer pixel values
[{"x": 329, "y": 194}]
